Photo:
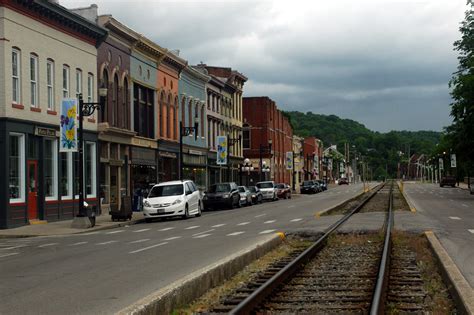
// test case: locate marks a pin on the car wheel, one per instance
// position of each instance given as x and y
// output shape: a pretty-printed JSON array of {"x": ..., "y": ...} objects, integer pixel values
[
  {"x": 148, "y": 220},
  {"x": 186, "y": 212},
  {"x": 198, "y": 214}
]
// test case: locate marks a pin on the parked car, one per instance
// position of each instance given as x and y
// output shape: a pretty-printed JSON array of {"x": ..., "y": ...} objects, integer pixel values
[
  {"x": 309, "y": 187},
  {"x": 256, "y": 194},
  {"x": 222, "y": 195},
  {"x": 343, "y": 181},
  {"x": 175, "y": 198},
  {"x": 283, "y": 191},
  {"x": 245, "y": 196},
  {"x": 268, "y": 190},
  {"x": 323, "y": 185},
  {"x": 447, "y": 181}
]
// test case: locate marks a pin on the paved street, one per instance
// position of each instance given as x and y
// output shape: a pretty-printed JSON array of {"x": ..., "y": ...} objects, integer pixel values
[{"x": 104, "y": 271}]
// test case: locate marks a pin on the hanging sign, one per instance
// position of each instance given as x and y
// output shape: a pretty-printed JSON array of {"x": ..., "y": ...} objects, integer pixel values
[
  {"x": 68, "y": 125},
  {"x": 222, "y": 150},
  {"x": 289, "y": 160}
]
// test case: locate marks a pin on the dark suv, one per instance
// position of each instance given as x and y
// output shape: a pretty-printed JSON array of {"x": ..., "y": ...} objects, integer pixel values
[
  {"x": 310, "y": 187},
  {"x": 447, "y": 181},
  {"x": 221, "y": 195}
]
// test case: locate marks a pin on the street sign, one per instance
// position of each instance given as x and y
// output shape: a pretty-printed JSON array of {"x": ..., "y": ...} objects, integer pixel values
[
  {"x": 289, "y": 160},
  {"x": 441, "y": 164},
  {"x": 453, "y": 160}
]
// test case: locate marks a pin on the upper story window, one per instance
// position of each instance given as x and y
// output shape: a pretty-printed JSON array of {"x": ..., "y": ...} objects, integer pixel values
[
  {"x": 66, "y": 81},
  {"x": 16, "y": 71},
  {"x": 34, "y": 80},
  {"x": 90, "y": 88},
  {"x": 246, "y": 136},
  {"x": 78, "y": 82},
  {"x": 50, "y": 83}
]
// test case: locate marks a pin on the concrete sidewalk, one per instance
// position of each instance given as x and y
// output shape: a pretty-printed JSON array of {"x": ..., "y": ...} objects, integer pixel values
[{"x": 103, "y": 222}]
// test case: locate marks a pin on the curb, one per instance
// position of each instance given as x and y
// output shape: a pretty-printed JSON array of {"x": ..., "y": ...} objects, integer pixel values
[
  {"x": 408, "y": 200},
  {"x": 458, "y": 286},
  {"x": 192, "y": 286}
]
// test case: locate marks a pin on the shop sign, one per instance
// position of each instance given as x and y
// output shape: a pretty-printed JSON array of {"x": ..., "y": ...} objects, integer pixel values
[
  {"x": 167, "y": 154},
  {"x": 194, "y": 152},
  {"x": 45, "y": 132},
  {"x": 68, "y": 125},
  {"x": 289, "y": 160},
  {"x": 142, "y": 156},
  {"x": 222, "y": 150}
]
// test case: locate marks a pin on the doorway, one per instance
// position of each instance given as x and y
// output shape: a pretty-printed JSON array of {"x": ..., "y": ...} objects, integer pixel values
[{"x": 32, "y": 176}]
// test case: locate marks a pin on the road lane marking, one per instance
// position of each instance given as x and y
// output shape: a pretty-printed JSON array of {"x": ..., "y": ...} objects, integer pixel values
[
  {"x": 192, "y": 227},
  {"x": 296, "y": 220},
  {"x": 166, "y": 229},
  {"x": 292, "y": 206},
  {"x": 202, "y": 236},
  {"x": 464, "y": 205},
  {"x": 244, "y": 223},
  {"x": 455, "y": 218},
  {"x": 451, "y": 200},
  {"x": 90, "y": 233},
  {"x": 9, "y": 254},
  {"x": 260, "y": 215},
  {"x": 78, "y": 243},
  {"x": 218, "y": 225},
  {"x": 203, "y": 232},
  {"x": 49, "y": 244},
  {"x": 115, "y": 232},
  {"x": 472, "y": 231},
  {"x": 139, "y": 241},
  {"x": 172, "y": 238},
  {"x": 235, "y": 233},
  {"x": 13, "y": 247},
  {"x": 269, "y": 221},
  {"x": 142, "y": 230},
  {"x": 267, "y": 231},
  {"x": 105, "y": 243},
  {"x": 147, "y": 248}
]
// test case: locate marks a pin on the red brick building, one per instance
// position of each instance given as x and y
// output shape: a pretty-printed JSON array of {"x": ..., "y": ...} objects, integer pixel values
[
  {"x": 263, "y": 125},
  {"x": 313, "y": 153}
]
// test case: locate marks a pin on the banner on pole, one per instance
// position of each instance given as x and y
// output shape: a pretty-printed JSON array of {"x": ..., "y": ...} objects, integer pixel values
[
  {"x": 289, "y": 160},
  {"x": 68, "y": 125},
  {"x": 222, "y": 150},
  {"x": 453, "y": 160},
  {"x": 441, "y": 164},
  {"x": 316, "y": 164}
]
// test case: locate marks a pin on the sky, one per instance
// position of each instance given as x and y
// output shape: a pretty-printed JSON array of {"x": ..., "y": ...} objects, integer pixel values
[{"x": 383, "y": 63}]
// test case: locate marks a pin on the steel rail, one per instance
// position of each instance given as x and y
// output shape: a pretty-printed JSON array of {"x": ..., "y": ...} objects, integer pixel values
[
  {"x": 254, "y": 299},
  {"x": 378, "y": 299}
]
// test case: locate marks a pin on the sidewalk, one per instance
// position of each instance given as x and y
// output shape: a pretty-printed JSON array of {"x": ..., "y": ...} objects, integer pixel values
[{"x": 103, "y": 222}]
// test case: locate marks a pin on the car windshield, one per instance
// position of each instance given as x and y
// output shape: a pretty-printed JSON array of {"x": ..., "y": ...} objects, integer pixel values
[
  {"x": 241, "y": 189},
  {"x": 307, "y": 183},
  {"x": 280, "y": 186},
  {"x": 164, "y": 191},
  {"x": 252, "y": 189},
  {"x": 265, "y": 185},
  {"x": 217, "y": 188}
]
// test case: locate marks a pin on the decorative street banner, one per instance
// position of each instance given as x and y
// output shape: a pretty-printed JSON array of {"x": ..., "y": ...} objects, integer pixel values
[
  {"x": 222, "y": 150},
  {"x": 289, "y": 160},
  {"x": 441, "y": 164},
  {"x": 453, "y": 160},
  {"x": 330, "y": 164},
  {"x": 68, "y": 125},
  {"x": 316, "y": 164}
]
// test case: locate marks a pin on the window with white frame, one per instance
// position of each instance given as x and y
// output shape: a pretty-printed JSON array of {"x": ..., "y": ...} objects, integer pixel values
[
  {"x": 66, "y": 81},
  {"x": 90, "y": 88},
  {"x": 50, "y": 169},
  {"x": 17, "y": 167},
  {"x": 50, "y": 83},
  {"x": 65, "y": 182},
  {"x": 90, "y": 169},
  {"x": 34, "y": 80},
  {"x": 78, "y": 82},
  {"x": 16, "y": 71}
]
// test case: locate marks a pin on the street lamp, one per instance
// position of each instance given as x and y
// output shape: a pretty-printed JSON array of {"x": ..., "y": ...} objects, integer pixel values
[
  {"x": 246, "y": 167},
  {"x": 265, "y": 169},
  {"x": 183, "y": 132},
  {"x": 85, "y": 110},
  {"x": 264, "y": 149}
]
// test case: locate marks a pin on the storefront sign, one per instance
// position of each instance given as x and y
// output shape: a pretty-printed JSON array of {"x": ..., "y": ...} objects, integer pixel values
[
  {"x": 289, "y": 160},
  {"x": 167, "y": 154},
  {"x": 45, "y": 132},
  {"x": 194, "y": 152},
  {"x": 68, "y": 125},
  {"x": 222, "y": 150},
  {"x": 142, "y": 156}
]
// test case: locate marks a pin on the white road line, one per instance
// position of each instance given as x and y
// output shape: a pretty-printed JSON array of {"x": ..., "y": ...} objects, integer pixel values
[
  {"x": 269, "y": 221},
  {"x": 292, "y": 206},
  {"x": 471, "y": 231},
  {"x": 244, "y": 223},
  {"x": 267, "y": 231},
  {"x": 115, "y": 232},
  {"x": 464, "y": 205},
  {"x": 451, "y": 200},
  {"x": 147, "y": 248},
  {"x": 166, "y": 229},
  {"x": 235, "y": 233},
  {"x": 192, "y": 227},
  {"x": 203, "y": 232},
  {"x": 172, "y": 238},
  {"x": 78, "y": 243},
  {"x": 218, "y": 225},
  {"x": 202, "y": 236},
  {"x": 9, "y": 254},
  {"x": 260, "y": 215},
  {"x": 142, "y": 230},
  {"x": 13, "y": 247},
  {"x": 49, "y": 244},
  {"x": 139, "y": 241},
  {"x": 90, "y": 233},
  {"x": 296, "y": 220},
  {"x": 105, "y": 243},
  {"x": 455, "y": 218}
]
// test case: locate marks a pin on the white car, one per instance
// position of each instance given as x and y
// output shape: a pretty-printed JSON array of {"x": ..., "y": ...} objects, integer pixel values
[
  {"x": 268, "y": 189},
  {"x": 175, "y": 198}
]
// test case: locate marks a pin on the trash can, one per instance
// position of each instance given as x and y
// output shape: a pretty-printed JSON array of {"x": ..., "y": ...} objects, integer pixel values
[
  {"x": 125, "y": 210},
  {"x": 91, "y": 213}
]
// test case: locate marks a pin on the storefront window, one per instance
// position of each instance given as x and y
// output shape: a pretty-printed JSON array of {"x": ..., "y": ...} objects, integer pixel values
[
  {"x": 197, "y": 175},
  {"x": 90, "y": 169},
  {"x": 50, "y": 169},
  {"x": 65, "y": 182},
  {"x": 17, "y": 167}
]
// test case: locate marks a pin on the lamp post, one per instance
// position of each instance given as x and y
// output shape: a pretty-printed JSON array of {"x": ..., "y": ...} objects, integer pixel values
[
  {"x": 264, "y": 149},
  {"x": 230, "y": 144},
  {"x": 265, "y": 169},
  {"x": 183, "y": 132},
  {"x": 85, "y": 110},
  {"x": 246, "y": 167}
]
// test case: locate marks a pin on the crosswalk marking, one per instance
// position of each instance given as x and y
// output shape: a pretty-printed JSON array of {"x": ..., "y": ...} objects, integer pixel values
[
  {"x": 147, "y": 248},
  {"x": 166, "y": 229},
  {"x": 235, "y": 233},
  {"x": 266, "y": 231},
  {"x": 142, "y": 230}
]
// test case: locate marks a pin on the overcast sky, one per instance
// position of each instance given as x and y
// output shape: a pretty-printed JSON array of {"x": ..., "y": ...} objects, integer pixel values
[{"x": 384, "y": 63}]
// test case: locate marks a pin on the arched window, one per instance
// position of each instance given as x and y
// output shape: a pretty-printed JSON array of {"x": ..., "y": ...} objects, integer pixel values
[
  {"x": 202, "y": 120},
  {"x": 168, "y": 117},
  {"x": 196, "y": 115},
  {"x": 162, "y": 108},
  {"x": 115, "y": 101},
  {"x": 103, "y": 113},
  {"x": 125, "y": 111},
  {"x": 190, "y": 114},
  {"x": 175, "y": 118},
  {"x": 183, "y": 111}
]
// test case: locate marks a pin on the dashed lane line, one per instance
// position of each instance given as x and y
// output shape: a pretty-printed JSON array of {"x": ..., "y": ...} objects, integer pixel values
[
  {"x": 202, "y": 236},
  {"x": 192, "y": 227},
  {"x": 296, "y": 220},
  {"x": 172, "y": 238},
  {"x": 243, "y": 223},
  {"x": 47, "y": 245},
  {"x": 139, "y": 241},
  {"x": 464, "y": 205},
  {"x": 471, "y": 231},
  {"x": 218, "y": 225},
  {"x": 166, "y": 229},
  {"x": 292, "y": 206},
  {"x": 260, "y": 215},
  {"x": 13, "y": 247},
  {"x": 142, "y": 230},
  {"x": 235, "y": 233},
  {"x": 147, "y": 248},
  {"x": 455, "y": 218},
  {"x": 78, "y": 243},
  {"x": 105, "y": 243},
  {"x": 90, "y": 233},
  {"x": 269, "y": 221},
  {"x": 267, "y": 231},
  {"x": 204, "y": 232},
  {"x": 9, "y": 254},
  {"x": 115, "y": 232}
]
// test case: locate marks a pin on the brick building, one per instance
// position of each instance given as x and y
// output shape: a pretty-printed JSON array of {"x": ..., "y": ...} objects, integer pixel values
[{"x": 312, "y": 157}]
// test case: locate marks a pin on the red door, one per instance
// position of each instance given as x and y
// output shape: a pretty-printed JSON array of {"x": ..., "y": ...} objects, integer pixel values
[{"x": 32, "y": 190}]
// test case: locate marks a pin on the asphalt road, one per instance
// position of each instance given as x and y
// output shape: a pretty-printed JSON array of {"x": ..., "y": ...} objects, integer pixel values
[
  {"x": 449, "y": 212},
  {"x": 105, "y": 271}
]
